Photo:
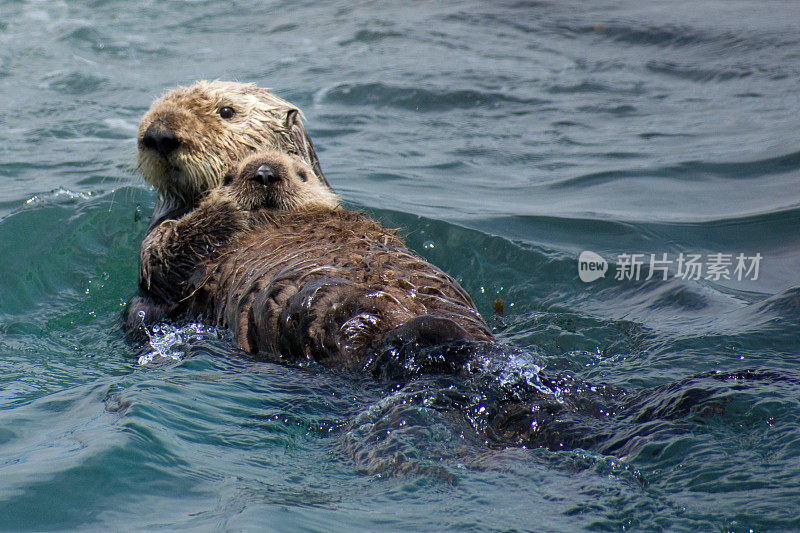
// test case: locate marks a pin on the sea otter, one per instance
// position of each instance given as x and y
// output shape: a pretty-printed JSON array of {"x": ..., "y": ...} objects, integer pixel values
[
  {"x": 190, "y": 136},
  {"x": 273, "y": 257}
]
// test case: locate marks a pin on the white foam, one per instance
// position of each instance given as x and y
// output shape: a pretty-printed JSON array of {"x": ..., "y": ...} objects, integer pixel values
[
  {"x": 57, "y": 195},
  {"x": 169, "y": 342}
]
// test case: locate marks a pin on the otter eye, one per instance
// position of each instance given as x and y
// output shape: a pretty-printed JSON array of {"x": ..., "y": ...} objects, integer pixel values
[{"x": 226, "y": 112}]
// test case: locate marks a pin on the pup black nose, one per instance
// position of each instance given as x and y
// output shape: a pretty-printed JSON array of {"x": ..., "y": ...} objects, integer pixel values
[
  {"x": 264, "y": 175},
  {"x": 160, "y": 138}
]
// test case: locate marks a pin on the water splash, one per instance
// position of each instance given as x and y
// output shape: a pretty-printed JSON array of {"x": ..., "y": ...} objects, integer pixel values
[
  {"x": 514, "y": 368},
  {"x": 169, "y": 342},
  {"x": 56, "y": 196}
]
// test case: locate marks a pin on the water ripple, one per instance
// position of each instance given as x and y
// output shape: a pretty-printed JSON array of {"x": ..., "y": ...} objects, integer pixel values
[
  {"x": 692, "y": 170},
  {"x": 419, "y": 99},
  {"x": 505, "y": 138}
]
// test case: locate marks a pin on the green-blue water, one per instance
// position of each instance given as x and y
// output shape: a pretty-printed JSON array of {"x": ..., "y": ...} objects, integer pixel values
[{"x": 504, "y": 138}]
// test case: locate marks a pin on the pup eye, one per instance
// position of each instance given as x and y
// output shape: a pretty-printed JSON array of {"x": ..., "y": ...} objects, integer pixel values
[
  {"x": 226, "y": 112},
  {"x": 227, "y": 179}
]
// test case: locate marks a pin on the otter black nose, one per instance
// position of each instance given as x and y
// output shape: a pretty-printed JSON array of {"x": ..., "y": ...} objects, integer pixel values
[
  {"x": 265, "y": 175},
  {"x": 160, "y": 138}
]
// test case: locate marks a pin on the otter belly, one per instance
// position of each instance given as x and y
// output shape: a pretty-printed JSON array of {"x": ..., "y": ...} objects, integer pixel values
[{"x": 334, "y": 293}]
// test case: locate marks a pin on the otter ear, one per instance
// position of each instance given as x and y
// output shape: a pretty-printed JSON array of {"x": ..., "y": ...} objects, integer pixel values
[
  {"x": 292, "y": 118},
  {"x": 301, "y": 140}
]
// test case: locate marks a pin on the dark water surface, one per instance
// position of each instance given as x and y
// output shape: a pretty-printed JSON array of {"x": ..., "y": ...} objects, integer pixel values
[{"x": 504, "y": 138}]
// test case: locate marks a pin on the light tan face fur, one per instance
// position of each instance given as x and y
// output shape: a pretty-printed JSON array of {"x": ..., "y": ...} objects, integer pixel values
[
  {"x": 208, "y": 143},
  {"x": 293, "y": 185}
]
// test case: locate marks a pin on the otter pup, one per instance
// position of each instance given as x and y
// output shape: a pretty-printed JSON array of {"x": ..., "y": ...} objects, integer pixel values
[
  {"x": 306, "y": 279},
  {"x": 171, "y": 250},
  {"x": 189, "y": 136}
]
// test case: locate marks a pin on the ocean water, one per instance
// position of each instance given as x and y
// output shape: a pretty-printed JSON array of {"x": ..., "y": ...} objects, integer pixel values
[{"x": 503, "y": 139}]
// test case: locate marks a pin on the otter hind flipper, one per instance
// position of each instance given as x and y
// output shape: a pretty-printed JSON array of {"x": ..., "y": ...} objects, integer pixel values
[
  {"x": 427, "y": 330},
  {"x": 425, "y": 344}
]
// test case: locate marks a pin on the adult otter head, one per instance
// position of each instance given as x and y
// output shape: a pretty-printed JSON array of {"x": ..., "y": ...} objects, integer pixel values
[
  {"x": 190, "y": 136},
  {"x": 276, "y": 181}
]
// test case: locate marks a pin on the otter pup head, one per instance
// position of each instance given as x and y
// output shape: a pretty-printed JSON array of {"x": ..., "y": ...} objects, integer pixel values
[
  {"x": 190, "y": 135},
  {"x": 274, "y": 180}
]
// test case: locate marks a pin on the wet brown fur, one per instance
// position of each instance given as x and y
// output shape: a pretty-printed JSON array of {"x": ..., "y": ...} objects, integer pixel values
[{"x": 327, "y": 285}]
